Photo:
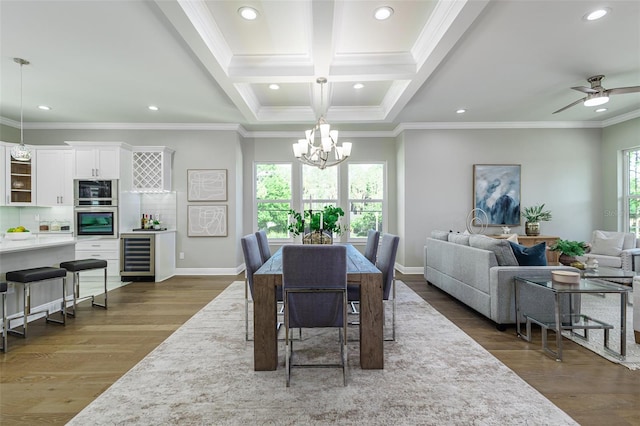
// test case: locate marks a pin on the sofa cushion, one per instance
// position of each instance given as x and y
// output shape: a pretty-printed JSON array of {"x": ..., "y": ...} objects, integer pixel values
[
  {"x": 513, "y": 238},
  {"x": 607, "y": 243},
  {"x": 440, "y": 235},
  {"x": 459, "y": 238},
  {"x": 530, "y": 256},
  {"x": 501, "y": 248}
]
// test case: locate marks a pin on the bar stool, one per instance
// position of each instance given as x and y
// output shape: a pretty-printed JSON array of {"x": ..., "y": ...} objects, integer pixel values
[
  {"x": 77, "y": 266},
  {"x": 26, "y": 277},
  {"x": 3, "y": 295}
]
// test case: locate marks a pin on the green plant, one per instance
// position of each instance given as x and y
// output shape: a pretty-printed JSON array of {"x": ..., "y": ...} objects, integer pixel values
[
  {"x": 330, "y": 219},
  {"x": 536, "y": 214},
  {"x": 569, "y": 248}
]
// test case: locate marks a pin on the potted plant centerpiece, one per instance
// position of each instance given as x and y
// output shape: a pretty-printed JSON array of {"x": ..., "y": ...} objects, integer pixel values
[
  {"x": 309, "y": 223},
  {"x": 533, "y": 216},
  {"x": 568, "y": 251}
]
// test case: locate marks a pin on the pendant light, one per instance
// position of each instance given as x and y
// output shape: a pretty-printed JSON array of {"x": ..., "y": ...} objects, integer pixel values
[{"x": 21, "y": 152}]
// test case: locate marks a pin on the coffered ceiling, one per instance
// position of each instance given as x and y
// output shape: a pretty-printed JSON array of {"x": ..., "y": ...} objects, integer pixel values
[{"x": 100, "y": 63}]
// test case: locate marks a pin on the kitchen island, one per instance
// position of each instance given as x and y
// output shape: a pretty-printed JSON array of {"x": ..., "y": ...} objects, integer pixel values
[{"x": 34, "y": 252}]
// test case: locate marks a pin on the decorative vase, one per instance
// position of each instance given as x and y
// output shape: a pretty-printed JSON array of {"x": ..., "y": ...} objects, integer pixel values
[
  {"x": 566, "y": 260},
  {"x": 317, "y": 237},
  {"x": 532, "y": 228}
]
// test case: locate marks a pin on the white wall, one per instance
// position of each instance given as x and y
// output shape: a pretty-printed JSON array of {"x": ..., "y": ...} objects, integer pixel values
[{"x": 560, "y": 168}]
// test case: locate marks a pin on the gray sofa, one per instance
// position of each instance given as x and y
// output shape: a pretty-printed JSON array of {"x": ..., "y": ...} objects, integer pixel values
[{"x": 481, "y": 279}]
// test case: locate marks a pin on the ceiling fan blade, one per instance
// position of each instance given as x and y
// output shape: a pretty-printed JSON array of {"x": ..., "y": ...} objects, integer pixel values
[
  {"x": 570, "y": 105},
  {"x": 584, "y": 89},
  {"x": 622, "y": 90}
]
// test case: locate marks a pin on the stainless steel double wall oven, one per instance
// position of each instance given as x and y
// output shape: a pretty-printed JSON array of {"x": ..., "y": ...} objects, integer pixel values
[{"x": 96, "y": 208}]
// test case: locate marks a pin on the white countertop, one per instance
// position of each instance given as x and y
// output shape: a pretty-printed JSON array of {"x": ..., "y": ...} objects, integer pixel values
[
  {"x": 150, "y": 231},
  {"x": 35, "y": 243}
]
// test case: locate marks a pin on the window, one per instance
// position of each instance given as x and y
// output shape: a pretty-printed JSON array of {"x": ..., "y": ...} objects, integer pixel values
[
  {"x": 273, "y": 198},
  {"x": 319, "y": 187},
  {"x": 366, "y": 198},
  {"x": 632, "y": 191},
  {"x": 280, "y": 187}
]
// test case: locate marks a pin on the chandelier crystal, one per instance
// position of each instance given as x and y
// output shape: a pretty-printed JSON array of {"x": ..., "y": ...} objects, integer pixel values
[
  {"x": 315, "y": 149},
  {"x": 21, "y": 152}
]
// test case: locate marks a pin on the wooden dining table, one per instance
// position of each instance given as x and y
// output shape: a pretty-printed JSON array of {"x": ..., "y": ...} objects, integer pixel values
[{"x": 360, "y": 271}]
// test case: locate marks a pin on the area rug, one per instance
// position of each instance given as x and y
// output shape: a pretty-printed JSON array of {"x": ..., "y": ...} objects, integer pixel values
[
  {"x": 434, "y": 375},
  {"x": 607, "y": 308}
]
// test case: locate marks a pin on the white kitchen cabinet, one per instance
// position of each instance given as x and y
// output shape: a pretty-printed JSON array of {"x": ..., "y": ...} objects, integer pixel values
[
  {"x": 105, "y": 249},
  {"x": 97, "y": 163},
  {"x": 54, "y": 177},
  {"x": 3, "y": 177},
  {"x": 20, "y": 183},
  {"x": 152, "y": 168}
]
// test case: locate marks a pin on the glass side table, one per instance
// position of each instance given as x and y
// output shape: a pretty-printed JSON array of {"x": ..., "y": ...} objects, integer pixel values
[{"x": 571, "y": 321}]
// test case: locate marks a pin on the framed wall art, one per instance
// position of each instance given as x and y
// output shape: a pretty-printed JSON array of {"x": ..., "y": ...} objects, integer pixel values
[
  {"x": 207, "y": 221},
  {"x": 496, "y": 191},
  {"x": 207, "y": 185}
]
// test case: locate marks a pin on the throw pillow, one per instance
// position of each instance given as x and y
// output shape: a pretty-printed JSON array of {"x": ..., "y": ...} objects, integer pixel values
[
  {"x": 530, "y": 256},
  {"x": 501, "y": 248},
  {"x": 513, "y": 238},
  {"x": 459, "y": 239},
  {"x": 440, "y": 235},
  {"x": 607, "y": 244}
]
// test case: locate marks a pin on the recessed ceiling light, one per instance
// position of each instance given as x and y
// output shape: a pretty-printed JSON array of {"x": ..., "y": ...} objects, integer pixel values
[
  {"x": 383, "y": 13},
  {"x": 274, "y": 86},
  {"x": 596, "y": 14},
  {"x": 358, "y": 86},
  {"x": 248, "y": 13},
  {"x": 153, "y": 107},
  {"x": 44, "y": 107},
  {"x": 461, "y": 111},
  {"x": 601, "y": 109}
]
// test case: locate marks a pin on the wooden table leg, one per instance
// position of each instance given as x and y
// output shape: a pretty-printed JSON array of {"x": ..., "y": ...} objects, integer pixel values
[
  {"x": 371, "y": 322},
  {"x": 265, "y": 345}
]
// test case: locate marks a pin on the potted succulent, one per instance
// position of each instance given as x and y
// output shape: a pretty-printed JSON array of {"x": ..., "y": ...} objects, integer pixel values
[
  {"x": 533, "y": 216},
  {"x": 569, "y": 250},
  {"x": 310, "y": 220}
]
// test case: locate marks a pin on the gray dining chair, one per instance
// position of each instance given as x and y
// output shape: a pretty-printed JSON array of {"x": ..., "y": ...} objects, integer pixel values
[
  {"x": 385, "y": 262},
  {"x": 253, "y": 262},
  {"x": 371, "y": 249},
  {"x": 263, "y": 244},
  {"x": 314, "y": 278}
]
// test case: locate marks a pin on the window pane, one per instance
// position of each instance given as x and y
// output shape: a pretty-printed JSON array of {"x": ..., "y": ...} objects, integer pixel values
[
  {"x": 365, "y": 216},
  {"x": 273, "y": 181},
  {"x": 366, "y": 181},
  {"x": 634, "y": 173},
  {"x": 319, "y": 184},
  {"x": 273, "y": 218}
]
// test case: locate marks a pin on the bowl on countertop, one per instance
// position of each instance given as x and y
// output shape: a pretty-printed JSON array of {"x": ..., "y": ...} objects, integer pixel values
[{"x": 17, "y": 236}]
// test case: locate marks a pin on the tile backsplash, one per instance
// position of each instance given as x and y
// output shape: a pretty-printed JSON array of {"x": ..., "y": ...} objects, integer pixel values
[
  {"x": 162, "y": 205},
  {"x": 30, "y": 217}
]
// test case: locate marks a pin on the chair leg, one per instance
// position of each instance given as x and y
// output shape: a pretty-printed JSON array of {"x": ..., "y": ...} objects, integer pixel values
[
  {"x": 246, "y": 310},
  {"x": 5, "y": 323},
  {"x": 93, "y": 302}
]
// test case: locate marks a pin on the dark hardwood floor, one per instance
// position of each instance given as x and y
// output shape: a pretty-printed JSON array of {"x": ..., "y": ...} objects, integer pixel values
[{"x": 57, "y": 371}]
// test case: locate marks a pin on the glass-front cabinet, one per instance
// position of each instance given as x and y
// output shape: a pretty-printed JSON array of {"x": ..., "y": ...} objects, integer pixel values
[{"x": 20, "y": 180}]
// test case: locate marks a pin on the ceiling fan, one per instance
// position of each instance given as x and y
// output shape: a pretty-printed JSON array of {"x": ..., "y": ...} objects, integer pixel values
[{"x": 598, "y": 95}]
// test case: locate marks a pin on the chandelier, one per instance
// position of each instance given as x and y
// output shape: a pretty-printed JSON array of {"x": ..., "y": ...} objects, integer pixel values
[
  {"x": 21, "y": 152},
  {"x": 319, "y": 141}
]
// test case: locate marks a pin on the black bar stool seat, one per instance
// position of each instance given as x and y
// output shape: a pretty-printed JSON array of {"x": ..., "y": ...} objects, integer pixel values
[
  {"x": 80, "y": 265},
  {"x": 83, "y": 265},
  {"x": 36, "y": 274},
  {"x": 26, "y": 277}
]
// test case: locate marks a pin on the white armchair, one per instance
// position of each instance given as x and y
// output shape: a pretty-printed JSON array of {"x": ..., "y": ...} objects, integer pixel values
[{"x": 615, "y": 250}]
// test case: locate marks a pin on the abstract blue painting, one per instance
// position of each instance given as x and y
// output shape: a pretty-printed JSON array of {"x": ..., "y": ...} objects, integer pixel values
[{"x": 496, "y": 191}]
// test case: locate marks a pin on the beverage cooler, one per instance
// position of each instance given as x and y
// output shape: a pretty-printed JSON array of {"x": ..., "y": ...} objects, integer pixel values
[{"x": 137, "y": 257}]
